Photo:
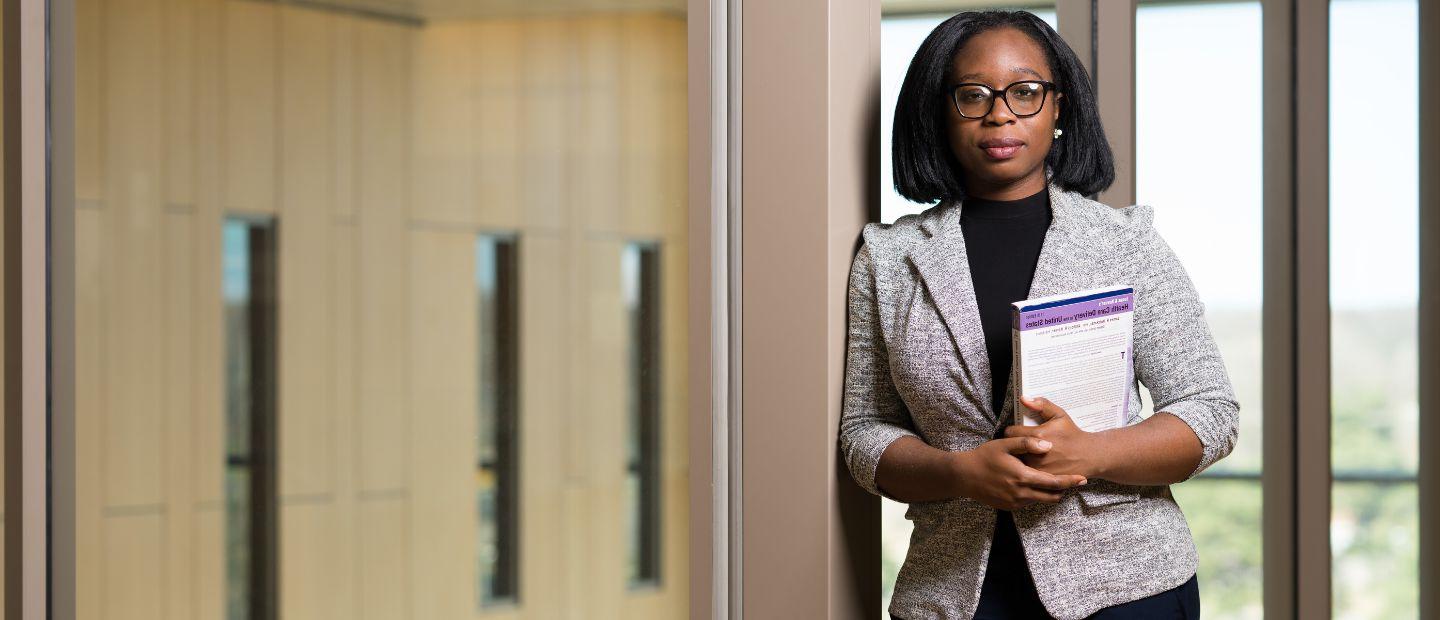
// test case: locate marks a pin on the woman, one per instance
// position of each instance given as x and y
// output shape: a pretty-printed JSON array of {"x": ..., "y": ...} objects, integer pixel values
[{"x": 997, "y": 121}]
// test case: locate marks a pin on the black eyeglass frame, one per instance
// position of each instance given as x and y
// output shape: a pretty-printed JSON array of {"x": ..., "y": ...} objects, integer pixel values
[{"x": 1047, "y": 88}]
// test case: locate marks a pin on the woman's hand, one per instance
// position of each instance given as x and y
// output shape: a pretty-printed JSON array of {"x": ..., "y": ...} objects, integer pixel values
[
  {"x": 1074, "y": 451},
  {"x": 992, "y": 474}
]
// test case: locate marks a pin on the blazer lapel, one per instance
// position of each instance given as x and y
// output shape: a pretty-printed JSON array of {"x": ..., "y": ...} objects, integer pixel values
[{"x": 944, "y": 268}]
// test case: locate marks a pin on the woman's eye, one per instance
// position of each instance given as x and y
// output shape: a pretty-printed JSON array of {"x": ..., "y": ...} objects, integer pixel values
[
  {"x": 971, "y": 95},
  {"x": 1024, "y": 93}
]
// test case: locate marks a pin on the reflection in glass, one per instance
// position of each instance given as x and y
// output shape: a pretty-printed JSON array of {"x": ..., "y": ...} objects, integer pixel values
[
  {"x": 496, "y": 279},
  {"x": 1176, "y": 136},
  {"x": 1374, "y": 292}
]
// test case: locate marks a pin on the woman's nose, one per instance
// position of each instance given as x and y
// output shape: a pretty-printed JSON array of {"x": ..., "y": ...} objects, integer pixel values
[{"x": 999, "y": 112}]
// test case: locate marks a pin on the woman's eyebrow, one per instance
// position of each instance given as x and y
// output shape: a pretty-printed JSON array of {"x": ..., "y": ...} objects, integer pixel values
[{"x": 1027, "y": 70}]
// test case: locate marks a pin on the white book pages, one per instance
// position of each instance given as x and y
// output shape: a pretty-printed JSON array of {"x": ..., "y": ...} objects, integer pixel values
[{"x": 1076, "y": 350}]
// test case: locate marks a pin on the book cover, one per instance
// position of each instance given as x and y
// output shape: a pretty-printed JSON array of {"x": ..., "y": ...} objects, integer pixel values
[{"x": 1075, "y": 349}]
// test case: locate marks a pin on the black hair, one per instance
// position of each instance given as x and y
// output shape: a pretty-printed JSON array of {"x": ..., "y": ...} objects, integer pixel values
[{"x": 926, "y": 170}]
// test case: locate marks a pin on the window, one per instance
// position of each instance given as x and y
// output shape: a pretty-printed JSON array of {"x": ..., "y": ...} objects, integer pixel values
[
  {"x": 1374, "y": 296},
  {"x": 640, "y": 279},
  {"x": 497, "y": 494},
  {"x": 1176, "y": 135},
  {"x": 250, "y": 497}
]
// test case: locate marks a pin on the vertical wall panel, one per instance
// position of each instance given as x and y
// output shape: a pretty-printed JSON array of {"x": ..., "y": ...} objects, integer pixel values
[
  {"x": 304, "y": 434},
  {"x": 132, "y": 92},
  {"x": 443, "y": 374},
  {"x": 308, "y": 542},
  {"x": 552, "y": 571},
  {"x": 603, "y": 372},
  {"x": 89, "y": 106},
  {"x": 90, "y": 384},
  {"x": 499, "y": 111},
  {"x": 177, "y": 107},
  {"x": 444, "y": 117},
  {"x": 342, "y": 116},
  {"x": 342, "y": 387},
  {"x": 641, "y": 153},
  {"x": 249, "y": 104},
  {"x": 546, "y": 78},
  {"x": 383, "y": 564},
  {"x": 180, "y": 414},
  {"x": 383, "y": 141},
  {"x": 598, "y": 102},
  {"x": 133, "y": 555},
  {"x": 209, "y": 566}
]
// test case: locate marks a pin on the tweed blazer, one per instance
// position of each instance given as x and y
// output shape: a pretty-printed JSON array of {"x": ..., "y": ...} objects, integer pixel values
[{"x": 916, "y": 364}]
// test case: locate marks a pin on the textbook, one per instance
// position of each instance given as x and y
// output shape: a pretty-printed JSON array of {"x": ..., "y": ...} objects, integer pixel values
[{"x": 1075, "y": 349}]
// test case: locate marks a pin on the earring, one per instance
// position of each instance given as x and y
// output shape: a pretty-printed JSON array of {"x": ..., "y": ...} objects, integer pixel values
[{"x": 1058, "y": 131}]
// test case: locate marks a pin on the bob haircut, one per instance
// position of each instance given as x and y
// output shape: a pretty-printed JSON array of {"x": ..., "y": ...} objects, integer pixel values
[{"x": 926, "y": 170}]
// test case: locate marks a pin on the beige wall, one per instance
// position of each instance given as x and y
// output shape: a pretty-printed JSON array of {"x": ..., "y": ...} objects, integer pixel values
[{"x": 382, "y": 148}]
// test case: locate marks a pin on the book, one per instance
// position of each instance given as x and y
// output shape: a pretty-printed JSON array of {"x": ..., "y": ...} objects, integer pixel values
[{"x": 1075, "y": 349}]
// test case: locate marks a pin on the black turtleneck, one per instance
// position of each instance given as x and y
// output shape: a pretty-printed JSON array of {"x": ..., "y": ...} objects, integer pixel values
[{"x": 1002, "y": 239}]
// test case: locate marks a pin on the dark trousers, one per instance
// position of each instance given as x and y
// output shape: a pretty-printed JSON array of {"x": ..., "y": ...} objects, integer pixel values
[{"x": 1009, "y": 590}]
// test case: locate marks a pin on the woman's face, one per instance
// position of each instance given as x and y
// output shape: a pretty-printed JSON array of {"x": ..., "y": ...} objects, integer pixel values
[{"x": 997, "y": 58}]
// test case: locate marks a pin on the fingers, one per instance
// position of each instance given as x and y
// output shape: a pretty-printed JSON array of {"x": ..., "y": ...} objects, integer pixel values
[
  {"x": 1017, "y": 430},
  {"x": 1026, "y": 445},
  {"x": 1042, "y": 480},
  {"x": 1046, "y": 410}
]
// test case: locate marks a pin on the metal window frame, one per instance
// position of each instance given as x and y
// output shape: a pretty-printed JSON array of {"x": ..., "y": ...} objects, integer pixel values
[
  {"x": 713, "y": 287},
  {"x": 1429, "y": 332},
  {"x": 38, "y": 57}
]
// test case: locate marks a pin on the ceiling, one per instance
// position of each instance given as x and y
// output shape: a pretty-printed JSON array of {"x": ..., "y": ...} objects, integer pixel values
[
  {"x": 426, "y": 10},
  {"x": 417, "y": 11}
]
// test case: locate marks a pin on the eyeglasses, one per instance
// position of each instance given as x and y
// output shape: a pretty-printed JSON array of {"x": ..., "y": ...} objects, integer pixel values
[{"x": 1024, "y": 99}]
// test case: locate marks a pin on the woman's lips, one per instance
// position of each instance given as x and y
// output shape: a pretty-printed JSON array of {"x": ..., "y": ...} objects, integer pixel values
[
  {"x": 1001, "y": 148},
  {"x": 1002, "y": 152}
]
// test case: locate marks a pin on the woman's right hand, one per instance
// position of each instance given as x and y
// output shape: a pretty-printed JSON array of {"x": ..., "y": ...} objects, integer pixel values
[{"x": 994, "y": 475}]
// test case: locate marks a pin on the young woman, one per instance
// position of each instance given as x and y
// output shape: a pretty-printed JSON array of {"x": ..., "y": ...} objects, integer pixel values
[{"x": 997, "y": 123}]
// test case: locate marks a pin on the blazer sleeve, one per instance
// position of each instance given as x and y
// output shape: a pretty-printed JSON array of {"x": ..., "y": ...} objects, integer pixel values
[
  {"x": 872, "y": 413},
  {"x": 1176, "y": 357}
]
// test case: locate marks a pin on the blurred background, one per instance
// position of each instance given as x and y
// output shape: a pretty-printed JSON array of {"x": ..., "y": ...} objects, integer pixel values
[{"x": 381, "y": 309}]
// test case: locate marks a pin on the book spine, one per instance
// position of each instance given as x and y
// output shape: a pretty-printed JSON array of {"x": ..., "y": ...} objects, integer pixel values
[{"x": 1015, "y": 368}]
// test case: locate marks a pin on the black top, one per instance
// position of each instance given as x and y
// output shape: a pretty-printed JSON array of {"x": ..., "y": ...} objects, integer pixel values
[{"x": 1002, "y": 239}]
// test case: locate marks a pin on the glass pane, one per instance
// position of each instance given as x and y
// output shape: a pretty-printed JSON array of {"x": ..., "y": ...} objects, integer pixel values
[
  {"x": 497, "y": 467},
  {"x": 1375, "y": 536},
  {"x": 249, "y": 292},
  {"x": 1225, "y": 520},
  {"x": 641, "y": 286},
  {"x": 900, "y": 37},
  {"x": 1374, "y": 289},
  {"x": 441, "y": 430},
  {"x": 1173, "y": 140}
]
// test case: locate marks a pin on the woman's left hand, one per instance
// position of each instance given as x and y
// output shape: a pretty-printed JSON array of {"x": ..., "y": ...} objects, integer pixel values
[{"x": 1074, "y": 451}]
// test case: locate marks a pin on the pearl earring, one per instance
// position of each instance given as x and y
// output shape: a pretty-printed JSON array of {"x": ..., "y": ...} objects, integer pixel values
[{"x": 1058, "y": 131}]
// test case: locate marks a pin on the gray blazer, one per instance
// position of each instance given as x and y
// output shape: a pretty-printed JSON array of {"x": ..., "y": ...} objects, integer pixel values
[{"x": 916, "y": 365}]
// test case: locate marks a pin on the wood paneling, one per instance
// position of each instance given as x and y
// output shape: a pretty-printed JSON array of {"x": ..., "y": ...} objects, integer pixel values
[{"x": 381, "y": 149}]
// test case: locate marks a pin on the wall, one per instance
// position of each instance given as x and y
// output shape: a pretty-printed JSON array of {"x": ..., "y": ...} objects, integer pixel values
[{"x": 382, "y": 148}]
